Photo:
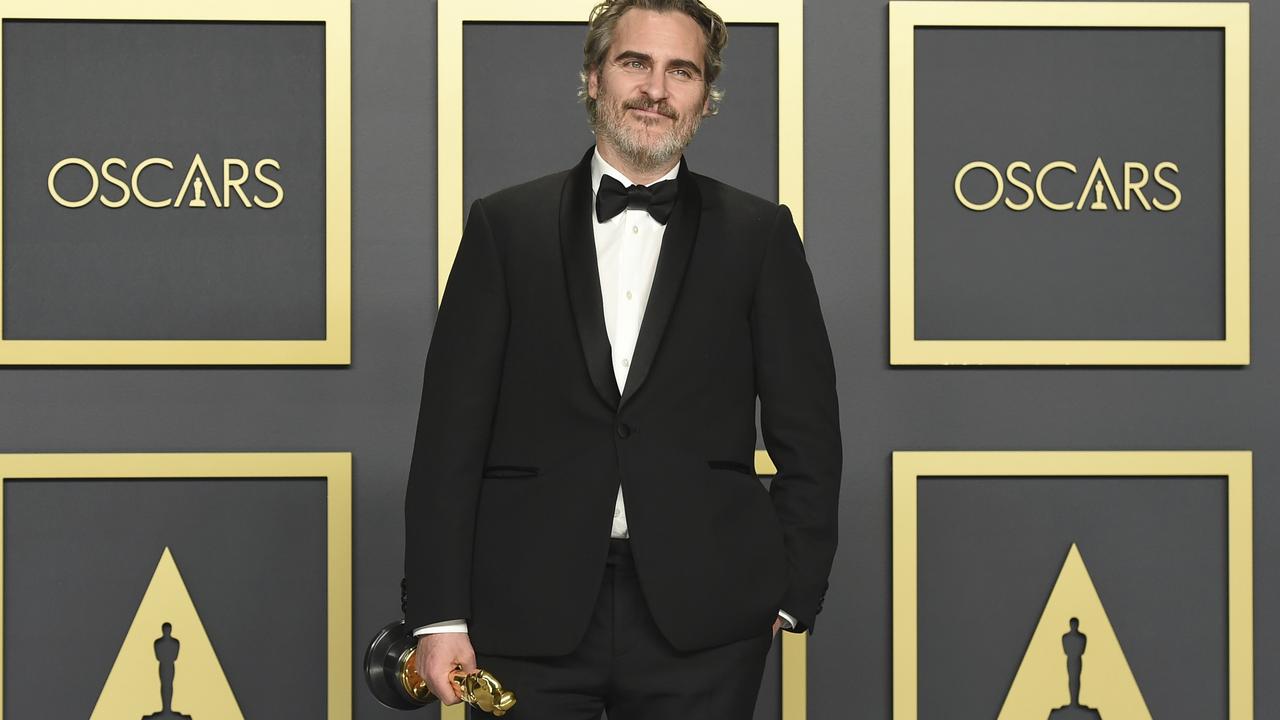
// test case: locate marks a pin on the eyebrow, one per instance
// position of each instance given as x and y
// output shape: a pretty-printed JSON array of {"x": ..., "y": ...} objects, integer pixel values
[{"x": 645, "y": 57}]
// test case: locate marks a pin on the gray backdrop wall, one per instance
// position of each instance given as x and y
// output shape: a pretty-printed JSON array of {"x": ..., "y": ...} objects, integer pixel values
[{"x": 369, "y": 408}]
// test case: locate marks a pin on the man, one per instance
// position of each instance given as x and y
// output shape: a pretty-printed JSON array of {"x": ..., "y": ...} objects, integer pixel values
[{"x": 583, "y": 517}]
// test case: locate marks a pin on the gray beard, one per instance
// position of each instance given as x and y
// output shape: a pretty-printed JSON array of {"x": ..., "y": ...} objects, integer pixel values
[
  {"x": 611, "y": 127},
  {"x": 639, "y": 155}
]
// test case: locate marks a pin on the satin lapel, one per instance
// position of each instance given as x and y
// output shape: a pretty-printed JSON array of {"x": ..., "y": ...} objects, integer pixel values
[
  {"x": 673, "y": 259},
  {"x": 582, "y": 275}
]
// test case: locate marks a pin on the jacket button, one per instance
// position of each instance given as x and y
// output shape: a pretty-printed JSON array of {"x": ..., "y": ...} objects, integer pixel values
[{"x": 624, "y": 430}]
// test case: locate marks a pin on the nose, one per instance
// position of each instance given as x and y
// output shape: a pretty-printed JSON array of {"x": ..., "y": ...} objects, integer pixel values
[{"x": 655, "y": 86}]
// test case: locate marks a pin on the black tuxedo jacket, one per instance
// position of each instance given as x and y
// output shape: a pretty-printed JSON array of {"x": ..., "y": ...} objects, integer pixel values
[{"x": 523, "y": 437}]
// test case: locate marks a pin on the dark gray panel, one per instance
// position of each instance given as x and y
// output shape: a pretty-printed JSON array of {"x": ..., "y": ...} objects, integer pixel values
[
  {"x": 769, "y": 701},
  {"x": 1044, "y": 94},
  {"x": 990, "y": 550},
  {"x": 79, "y": 554},
  {"x": 136, "y": 90},
  {"x": 522, "y": 118}
]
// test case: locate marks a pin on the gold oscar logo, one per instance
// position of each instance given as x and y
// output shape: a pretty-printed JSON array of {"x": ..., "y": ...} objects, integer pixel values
[
  {"x": 166, "y": 668},
  {"x": 1074, "y": 668},
  {"x": 235, "y": 173},
  {"x": 1098, "y": 192}
]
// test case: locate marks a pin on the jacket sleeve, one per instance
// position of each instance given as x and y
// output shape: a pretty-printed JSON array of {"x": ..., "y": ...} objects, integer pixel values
[
  {"x": 459, "y": 394},
  {"x": 799, "y": 415}
]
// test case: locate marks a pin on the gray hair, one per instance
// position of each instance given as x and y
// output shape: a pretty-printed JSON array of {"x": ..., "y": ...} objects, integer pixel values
[{"x": 604, "y": 17}]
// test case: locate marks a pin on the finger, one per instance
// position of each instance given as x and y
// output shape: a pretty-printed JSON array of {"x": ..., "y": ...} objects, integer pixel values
[
  {"x": 442, "y": 687},
  {"x": 456, "y": 688}
]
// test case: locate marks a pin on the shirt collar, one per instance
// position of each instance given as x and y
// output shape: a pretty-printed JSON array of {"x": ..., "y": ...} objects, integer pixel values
[{"x": 600, "y": 167}]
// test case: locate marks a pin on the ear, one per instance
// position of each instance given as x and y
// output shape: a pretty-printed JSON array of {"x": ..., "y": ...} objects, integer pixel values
[
  {"x": 593, "y": 83},
  {"x": 706, "y": 105}
]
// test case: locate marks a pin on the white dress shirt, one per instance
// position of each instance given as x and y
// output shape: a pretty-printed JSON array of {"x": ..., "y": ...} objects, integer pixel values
[{"x": 627, "y": 248}]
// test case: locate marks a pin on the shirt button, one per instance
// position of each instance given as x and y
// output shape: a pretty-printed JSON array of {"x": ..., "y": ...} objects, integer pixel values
[
  {"x": 635, "y": 229},
  {"x": 617, "y": 512},
  {"x": 628, "y": 294},
  {"x": 626, "y": 362}
]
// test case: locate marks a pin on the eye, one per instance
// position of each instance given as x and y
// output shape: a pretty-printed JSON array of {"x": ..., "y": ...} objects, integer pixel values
[
  {"x": 682, "y": 73},
  {"x": 633, "y": 64}
]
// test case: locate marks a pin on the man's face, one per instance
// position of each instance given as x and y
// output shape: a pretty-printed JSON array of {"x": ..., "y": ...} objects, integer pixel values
[{"x": 649, "y": 90}]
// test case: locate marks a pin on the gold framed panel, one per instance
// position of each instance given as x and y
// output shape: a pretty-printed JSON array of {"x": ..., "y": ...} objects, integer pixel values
[
  {"x": 453, "y": 14},
  {"x": 335, "y": 348},
  {"x": 1235, "y": 466},
  {"x": 787, "y": 16},
  {"x": 904, "y": 17},
  {"x": 334, "y": 467}
]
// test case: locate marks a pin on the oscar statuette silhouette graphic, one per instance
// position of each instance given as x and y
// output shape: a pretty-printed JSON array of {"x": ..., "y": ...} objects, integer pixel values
[
  {"x": 1109, "y": 687},
  {"x": 1097, "y": 203},
  {"x": 1073, "y": 645},
  {"x": 167, "y": 647},
  {"x": 198, "y": 201}
]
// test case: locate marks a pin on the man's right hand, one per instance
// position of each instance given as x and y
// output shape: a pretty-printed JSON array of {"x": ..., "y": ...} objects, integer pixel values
[{"x": 437, "y": 656}]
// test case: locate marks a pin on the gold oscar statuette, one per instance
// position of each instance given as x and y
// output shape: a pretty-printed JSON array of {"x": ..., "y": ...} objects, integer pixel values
[
  {"x": 393, "y": 678},
  {"x": 480, "y": 689}
]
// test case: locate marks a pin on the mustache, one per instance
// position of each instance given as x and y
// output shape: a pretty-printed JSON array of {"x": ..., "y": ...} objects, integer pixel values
[{"x": 659, "y": 107}]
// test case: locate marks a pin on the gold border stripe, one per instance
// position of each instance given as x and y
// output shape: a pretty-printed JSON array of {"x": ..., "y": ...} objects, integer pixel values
[
  {"x": 1235, "y": 465},
  {"x": 335, "y": 348},
  {"x": 335, "y": 467},
  {"x": 904, "y": 17}
]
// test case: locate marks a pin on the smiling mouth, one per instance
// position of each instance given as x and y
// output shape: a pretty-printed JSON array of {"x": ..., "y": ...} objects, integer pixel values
[{"x": 648, "y": 113}]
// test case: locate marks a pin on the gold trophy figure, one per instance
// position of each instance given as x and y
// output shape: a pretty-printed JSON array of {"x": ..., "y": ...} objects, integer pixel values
[
  {"x": 479, "y": 689},
  {"x": 393, "y": 678}
]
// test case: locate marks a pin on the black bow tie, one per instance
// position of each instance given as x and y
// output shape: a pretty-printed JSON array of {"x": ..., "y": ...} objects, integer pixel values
[{"x": 657, "y": 198}]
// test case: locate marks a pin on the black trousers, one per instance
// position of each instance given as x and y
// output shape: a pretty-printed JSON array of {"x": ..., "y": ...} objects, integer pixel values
[{"x": 625, "y": 667}]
